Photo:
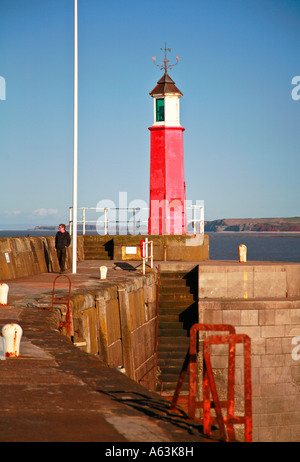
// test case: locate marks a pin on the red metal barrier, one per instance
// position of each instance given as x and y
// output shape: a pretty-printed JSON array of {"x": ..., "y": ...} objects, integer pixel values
[
  {"x": 225, "y": 423},
  {"x": 63, "y": 301},
  {"x": 191, "y": 362}
]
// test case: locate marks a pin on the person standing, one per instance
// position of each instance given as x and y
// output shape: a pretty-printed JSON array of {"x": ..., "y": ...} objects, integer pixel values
[{"x": 62, "y": 242}]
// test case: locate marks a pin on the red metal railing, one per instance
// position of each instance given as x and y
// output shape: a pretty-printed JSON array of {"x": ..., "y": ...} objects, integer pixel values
[
  {"x": 225, "y": 422},
  {"x": 63, "y": 301}
]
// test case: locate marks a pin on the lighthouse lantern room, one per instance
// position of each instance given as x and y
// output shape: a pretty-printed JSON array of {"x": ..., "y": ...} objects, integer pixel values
[{"x": 167, "y": 184}]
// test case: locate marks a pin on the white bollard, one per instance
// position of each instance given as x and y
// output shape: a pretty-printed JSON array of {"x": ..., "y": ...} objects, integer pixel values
[
  {"x": 3, "y": 294},
  {"x": 242, "y": 253},
  {"x": 103, "y": 272},
  {"x": 12, "y": 334}
]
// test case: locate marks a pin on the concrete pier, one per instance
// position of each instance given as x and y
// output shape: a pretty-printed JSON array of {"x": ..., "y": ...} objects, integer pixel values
[{"x": 55, "y": 392}]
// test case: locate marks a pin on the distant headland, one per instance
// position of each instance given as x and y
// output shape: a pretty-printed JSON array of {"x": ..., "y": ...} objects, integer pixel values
[{"x": 254, "y": 225}]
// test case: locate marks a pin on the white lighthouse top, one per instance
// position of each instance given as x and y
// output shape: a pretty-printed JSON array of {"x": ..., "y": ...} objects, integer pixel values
[{"x": 166, "y": 97}]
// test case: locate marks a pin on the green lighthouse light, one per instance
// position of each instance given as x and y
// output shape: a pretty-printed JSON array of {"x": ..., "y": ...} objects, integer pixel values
[{"x": 160, "y": 110}]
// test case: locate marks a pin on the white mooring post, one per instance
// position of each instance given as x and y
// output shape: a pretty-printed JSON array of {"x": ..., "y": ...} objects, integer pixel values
[
  {"x": 3, "y": 294},
  {"x": 242, "y": 253},
  {"x": 12, "y": 334}
]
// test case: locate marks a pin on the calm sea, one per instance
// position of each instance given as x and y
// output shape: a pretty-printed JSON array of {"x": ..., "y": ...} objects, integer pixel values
[
  {"x": 260, "y": 246},
  {"x": 224, "y": 246}
]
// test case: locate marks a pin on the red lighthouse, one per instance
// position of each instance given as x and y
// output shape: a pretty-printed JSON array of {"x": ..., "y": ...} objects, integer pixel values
[{"x": 167, "y": 185}]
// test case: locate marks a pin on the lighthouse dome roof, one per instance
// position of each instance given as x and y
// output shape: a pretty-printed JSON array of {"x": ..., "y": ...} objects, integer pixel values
[{"x": 165, "y": 85}]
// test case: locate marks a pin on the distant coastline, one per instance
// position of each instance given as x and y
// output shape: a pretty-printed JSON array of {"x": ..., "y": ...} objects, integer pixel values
[{"x": 257, "y": 225}]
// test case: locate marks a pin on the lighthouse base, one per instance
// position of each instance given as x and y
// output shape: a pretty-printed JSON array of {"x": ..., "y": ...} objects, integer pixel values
[{"x": 188, "y": 248}]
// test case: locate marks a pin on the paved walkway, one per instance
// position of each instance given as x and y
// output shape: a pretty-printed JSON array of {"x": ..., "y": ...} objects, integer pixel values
[{"x": 56, "y": 392}]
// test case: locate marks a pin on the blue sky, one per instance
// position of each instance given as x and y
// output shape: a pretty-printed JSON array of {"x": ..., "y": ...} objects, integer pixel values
[{"x": 237, "y": 62}]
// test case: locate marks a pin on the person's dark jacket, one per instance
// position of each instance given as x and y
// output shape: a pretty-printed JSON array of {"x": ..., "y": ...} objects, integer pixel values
[{"x": 62, "y": 240}]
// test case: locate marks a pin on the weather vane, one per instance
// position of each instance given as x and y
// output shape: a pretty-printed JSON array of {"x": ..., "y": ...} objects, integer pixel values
[{"x": 165, "y": 64}]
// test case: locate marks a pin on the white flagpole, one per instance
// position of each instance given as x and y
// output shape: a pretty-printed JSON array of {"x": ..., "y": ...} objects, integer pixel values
[{"x": 75, "y": 143}]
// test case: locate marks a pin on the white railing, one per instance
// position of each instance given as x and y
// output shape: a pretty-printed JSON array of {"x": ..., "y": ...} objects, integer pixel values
[
  {"x": 195, "y": 220},
  {"x": 134, "y": 221},
  {"x": 146, "y": 255}
]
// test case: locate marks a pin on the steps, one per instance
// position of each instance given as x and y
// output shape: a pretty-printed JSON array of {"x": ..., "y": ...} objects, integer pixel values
[
  {"x": 178, "y": 311},
  {"x": 98, "y": 248}
]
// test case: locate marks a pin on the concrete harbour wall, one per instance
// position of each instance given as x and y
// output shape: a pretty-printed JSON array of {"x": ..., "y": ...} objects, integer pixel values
[
  {"x": 118, "y": 323},
  {"x": 249, "y": 281},
  {"x": 165, "y": 247},
  {"x": 26, "y": 256},
  {"x": 262, "y": 301}
]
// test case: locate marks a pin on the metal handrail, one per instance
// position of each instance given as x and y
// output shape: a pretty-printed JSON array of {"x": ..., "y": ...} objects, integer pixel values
[
  {"x": 225, "y": 422},
  {"x": 63, "y": 301},
  {"x": 133, "y": 210},
  {"x": 146, "y": 255}
]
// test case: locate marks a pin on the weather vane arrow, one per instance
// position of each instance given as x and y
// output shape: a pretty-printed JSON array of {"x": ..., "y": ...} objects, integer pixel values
[{"x": 165, "y": 64}]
